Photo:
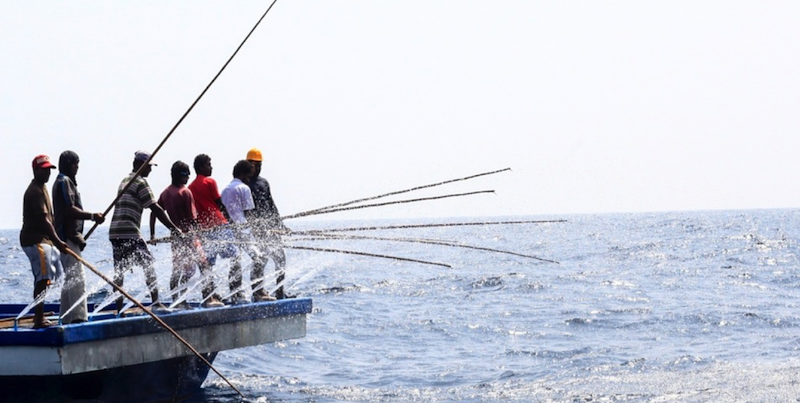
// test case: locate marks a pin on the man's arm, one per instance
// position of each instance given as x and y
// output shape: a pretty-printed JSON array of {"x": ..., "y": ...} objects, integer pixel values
[
  {"x": 223, "y": 209},
  {"x": 251, "y": 216},
  {"x": 51, "y": 233},
  {"x": 158, "y": 212},
  {"x": 74, "y": 213},
  {"x": 274, "y": 217},
  {"x": 152, "y": 224}
]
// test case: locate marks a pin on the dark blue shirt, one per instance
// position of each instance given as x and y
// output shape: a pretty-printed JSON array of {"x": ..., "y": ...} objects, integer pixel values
[
  {"x": 65, "y": 195},
  {"x": 266, "y": 211}
]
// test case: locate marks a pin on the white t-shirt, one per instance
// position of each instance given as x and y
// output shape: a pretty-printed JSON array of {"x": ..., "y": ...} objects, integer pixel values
[{"x": 237, "y": 199}]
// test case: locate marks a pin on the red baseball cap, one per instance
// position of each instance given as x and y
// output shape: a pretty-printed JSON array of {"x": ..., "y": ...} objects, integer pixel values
[{"x": 42, "y": 161}]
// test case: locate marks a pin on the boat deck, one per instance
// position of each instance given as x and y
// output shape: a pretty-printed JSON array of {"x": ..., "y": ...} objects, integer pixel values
[{"x": 107, "y": 341}]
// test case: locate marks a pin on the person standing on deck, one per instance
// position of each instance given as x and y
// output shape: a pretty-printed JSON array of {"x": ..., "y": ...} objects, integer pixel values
[
  {"x": 238, "y": 200},
  {"x": 179, "y": 204},
  {"x": 266, "y": 227},
  {"x": 38, "y": 237},
  {"x": 215, "y": 234},
  {"x": 126, "y": 240},
  {"x": 69, "y": 217}
]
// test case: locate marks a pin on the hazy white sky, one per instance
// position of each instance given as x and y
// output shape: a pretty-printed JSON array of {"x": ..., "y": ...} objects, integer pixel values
[{"x": 606, "y": 106}]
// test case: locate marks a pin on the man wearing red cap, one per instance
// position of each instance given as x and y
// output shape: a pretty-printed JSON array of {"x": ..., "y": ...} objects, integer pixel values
[{"x": 38, "y": 237}]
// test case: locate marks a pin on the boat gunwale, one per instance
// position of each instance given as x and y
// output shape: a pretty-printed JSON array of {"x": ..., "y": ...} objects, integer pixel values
[{"x": 113, "y": 327}]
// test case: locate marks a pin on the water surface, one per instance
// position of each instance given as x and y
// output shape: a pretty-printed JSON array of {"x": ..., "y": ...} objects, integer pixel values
[{"x": 661, "y": 307}]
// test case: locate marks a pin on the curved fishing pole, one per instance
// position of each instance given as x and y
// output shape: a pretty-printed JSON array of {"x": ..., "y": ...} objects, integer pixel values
[
  {"x": 458, "y": 224},
  {"x": 305, "y": 213},
  {"x": 388, "y": 203},
  {"x": 138, "y": 172},
  {"x": 156, "y": 318},
  {"x": 326, "y": 237}
]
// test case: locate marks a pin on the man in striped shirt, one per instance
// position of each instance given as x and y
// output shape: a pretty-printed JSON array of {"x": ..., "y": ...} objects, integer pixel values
[{"x": 126, "y": 239}]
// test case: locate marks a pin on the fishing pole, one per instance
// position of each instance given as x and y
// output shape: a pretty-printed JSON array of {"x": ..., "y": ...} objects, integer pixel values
[
  {"x": 390, "y": 203},
  {"x": 326, "y": 237},
  {"x": 139, "y": 171},
  {"x": 350, "y": 252},
  {"x": 302, "y": 214},
  {"x": 374, "y": 228},
  {"x": 156, "y": 318}
]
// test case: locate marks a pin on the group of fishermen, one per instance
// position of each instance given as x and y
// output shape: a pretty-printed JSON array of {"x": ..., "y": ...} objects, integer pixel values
[{"x": 204, "y": 223}]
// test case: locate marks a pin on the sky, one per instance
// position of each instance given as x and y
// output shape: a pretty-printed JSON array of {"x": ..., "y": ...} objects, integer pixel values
[{"x": 607, "y": 106}]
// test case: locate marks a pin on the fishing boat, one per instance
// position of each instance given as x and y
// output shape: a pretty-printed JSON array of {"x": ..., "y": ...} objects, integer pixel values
[{"x": 133, "y": 358}]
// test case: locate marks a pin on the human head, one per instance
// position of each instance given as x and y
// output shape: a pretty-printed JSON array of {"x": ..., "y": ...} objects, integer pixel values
[
  {"x": 243, "y": 170},
  {"x": 41, "y": 168},
  {"x": 139, "y": 159},
  {"x": 255, "y": 158},
  {"x": 180, "y": 173},
  {"x": 68, "y": 163},
  {"x": 202, "y": 165}
]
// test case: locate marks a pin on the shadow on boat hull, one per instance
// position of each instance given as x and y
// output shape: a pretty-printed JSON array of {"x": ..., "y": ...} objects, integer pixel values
[{"x": 164, "y": 381}]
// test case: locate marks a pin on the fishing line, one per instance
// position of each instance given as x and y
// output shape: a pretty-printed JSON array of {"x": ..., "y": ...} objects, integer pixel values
[
  {"x": 351, "y": 252},
  {"x": 406, "y": 226},
  {"x": 422, "y": 241}
]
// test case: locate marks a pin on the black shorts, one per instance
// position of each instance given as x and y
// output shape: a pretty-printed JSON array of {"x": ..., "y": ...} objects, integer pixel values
[{"x": 131, "y": 252}]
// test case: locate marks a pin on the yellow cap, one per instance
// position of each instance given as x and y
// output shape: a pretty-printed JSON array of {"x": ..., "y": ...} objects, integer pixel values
[{"x": 254, "y": 155}]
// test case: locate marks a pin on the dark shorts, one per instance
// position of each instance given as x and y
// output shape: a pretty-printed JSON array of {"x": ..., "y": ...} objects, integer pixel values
[{"x": 131, "y": 252}]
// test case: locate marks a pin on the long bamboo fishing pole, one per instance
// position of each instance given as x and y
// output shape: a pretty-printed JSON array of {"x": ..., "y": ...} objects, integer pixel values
[
  {"x": 156, "y": 318},
  {"x": 326, "y": 237},
  {"x": 390, "y": 203},
  {"x": 350, "y": 252},
  {"x": 305, "y": 213},
  {"x": 347, "y": 252},
  {"x": 458, "y": 224},
  {"x": 139, "y": 171}
]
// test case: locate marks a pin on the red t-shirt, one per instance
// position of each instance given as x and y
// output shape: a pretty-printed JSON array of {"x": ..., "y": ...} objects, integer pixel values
[
  {"x": 206, "y": 194},
  {"x": 179, "y": 203}
]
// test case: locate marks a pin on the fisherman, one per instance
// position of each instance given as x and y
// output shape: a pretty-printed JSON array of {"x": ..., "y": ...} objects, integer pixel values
[
  {"x": 69, "y": 217},
  {"x": 238, "y": 200},
  {"x": 215, "y": 234},
  {"x": 267, "y": 227},
  {"x": 126, "y": 239},
  {"x": 38, "y": 237},
  {"x": 179, "y": 204}
]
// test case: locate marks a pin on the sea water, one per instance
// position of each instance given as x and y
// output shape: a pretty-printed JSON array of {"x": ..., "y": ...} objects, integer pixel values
[{"x": 658, "y": 307}]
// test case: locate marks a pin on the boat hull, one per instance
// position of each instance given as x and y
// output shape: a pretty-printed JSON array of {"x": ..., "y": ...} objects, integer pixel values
[
  {"x": 167, "y": 380},
  {"x": 133, "y": 359}
]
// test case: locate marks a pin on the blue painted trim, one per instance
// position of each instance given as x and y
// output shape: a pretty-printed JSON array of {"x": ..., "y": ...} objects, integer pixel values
[{"x": 97, "y": 329}]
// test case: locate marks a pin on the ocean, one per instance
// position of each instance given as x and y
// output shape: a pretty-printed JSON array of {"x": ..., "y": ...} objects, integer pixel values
[{"x": 646, "y": 307}]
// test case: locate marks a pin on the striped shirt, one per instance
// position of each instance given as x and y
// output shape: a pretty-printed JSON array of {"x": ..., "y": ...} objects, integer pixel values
[{"x": 128, "y": 210}]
